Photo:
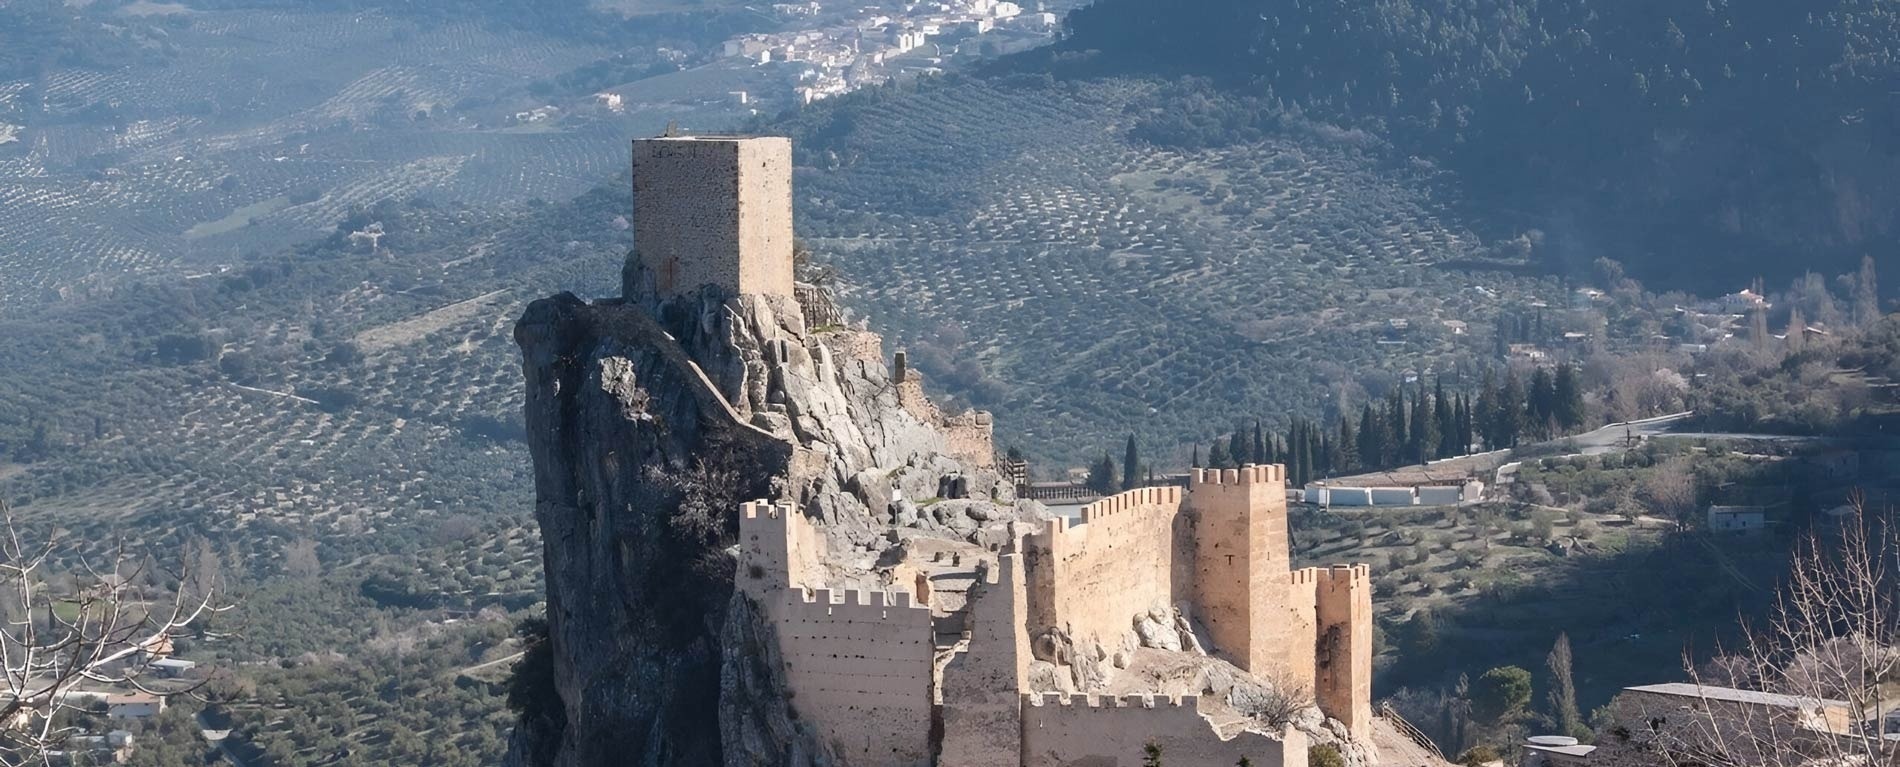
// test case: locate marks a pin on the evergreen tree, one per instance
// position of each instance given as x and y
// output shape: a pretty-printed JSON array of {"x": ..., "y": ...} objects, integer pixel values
[
  {"x": 1274, "y": 453},
  {"x": 1395, "y": 427},
  {"x": 1446, "y": 419},
  {"x": 1218, "y": 457},
  {"x": 1347, "y": 448},
  {"x": 1569, "y": 405},
  {"x": 1195, "y": 461},
  {"x": 1465, "y": 425},
  {"x": 1511, "y": 410},
  {"x": 1866, "y": 294},
  {"x": 1102, "y": 476},
  {"x": 1424, "y": 430},
  {"x": 1370, "y": 451},
  {"x": 1131, "y": 461},
  {"x": 1241, "y": 446},
  {"x": 1260, "y": 452},
  {"x": 1542, "y": 405},
  {"x": 1486, "y": 415},
  {"x": 1563, "y": 688}
]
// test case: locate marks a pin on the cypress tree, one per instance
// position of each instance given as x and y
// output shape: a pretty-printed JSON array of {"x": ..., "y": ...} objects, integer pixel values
[
  {"x": 1218, "y": 457},
  {"x": 1511, "y": 410},
  {"x": 1569, "y": 398},
  {"x": 1424, "y": 429},
  {"x": 1195, "y": 461},
  {"x": 1368, "y": 447},
  {"x": 1396, "y": 441},
  {"x": 1241, "y": 446},
  {"x": 1347, "y": 446},
  {"x": 1260, "y": 452},
  {"x": 1486, "y": 416},
  {"x": 1446, "y": 419},
  {"x": 1131, "y": 461},
  {"x": 1542, "y": 404}
]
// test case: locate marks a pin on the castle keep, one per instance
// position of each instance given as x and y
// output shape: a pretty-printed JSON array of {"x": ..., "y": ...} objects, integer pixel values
[
  {"x": 714, "y": 211},
  {"x": 1161, "y": 615}
]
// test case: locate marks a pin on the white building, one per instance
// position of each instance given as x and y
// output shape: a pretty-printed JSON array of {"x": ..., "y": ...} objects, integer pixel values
[
  {"x": 139, "y": 705},
  {"x": 1737, "y": 519}
]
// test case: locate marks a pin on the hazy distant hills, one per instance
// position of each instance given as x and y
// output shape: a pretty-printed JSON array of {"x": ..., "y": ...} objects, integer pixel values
[{"x": 1702, "y": 142}]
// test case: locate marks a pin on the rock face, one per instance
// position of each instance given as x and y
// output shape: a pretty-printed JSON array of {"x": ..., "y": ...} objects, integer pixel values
[{"x": 649, "y": 423}]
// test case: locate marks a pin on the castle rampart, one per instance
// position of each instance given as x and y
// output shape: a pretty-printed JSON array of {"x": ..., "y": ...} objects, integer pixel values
[
  {"x": 777, "y": 546},
  {"x": 1104, "y": 730},
  {"x": 714, "y": 211},
  {"x": 1119, "y": 561},
  {"x": 858, "y": 665}
]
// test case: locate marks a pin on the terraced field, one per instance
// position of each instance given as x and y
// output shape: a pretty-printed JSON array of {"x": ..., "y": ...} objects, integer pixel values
[
  {"x": 267, "y": 128},
  {"x": 1107, "y": 287}
]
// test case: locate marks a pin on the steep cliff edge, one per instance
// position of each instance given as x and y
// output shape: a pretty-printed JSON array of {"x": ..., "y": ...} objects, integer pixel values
[{"x": 649, "y": 423}]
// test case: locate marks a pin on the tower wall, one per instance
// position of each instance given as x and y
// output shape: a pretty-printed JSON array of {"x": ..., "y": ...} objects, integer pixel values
[
  {"x": 1240, "y": 568},
  {"x": 982, "y": 702},
  {"x": 1343, "y": 646},
  {"x": 776, "y": 547},
  {"x": 714, "y": 211},
  {"x": 858, "y": 667}
]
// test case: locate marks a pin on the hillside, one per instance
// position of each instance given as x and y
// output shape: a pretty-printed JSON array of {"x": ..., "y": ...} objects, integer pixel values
[{"x": 1701, "y": 141}]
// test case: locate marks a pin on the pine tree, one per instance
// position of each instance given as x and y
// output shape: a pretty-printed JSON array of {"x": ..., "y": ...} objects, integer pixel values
[{"x": 1131, "y": 461}]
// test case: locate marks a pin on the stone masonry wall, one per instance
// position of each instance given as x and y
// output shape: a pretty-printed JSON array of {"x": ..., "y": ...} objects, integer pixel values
[
  {"x": 1343, "y": 666},
  {"x": 714, "y": 211},
  {"x": 982, "y": 702},
  {"x": 777, "y": 548},
  {"x": 1090, "y": 731},
  {"x": 858, "y": 666},
  {"x": 1093, "y": 578},
  {"x": 1241, "y": 579}
]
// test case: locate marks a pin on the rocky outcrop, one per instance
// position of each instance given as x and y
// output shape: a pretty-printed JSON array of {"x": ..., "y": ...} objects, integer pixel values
[{"x": 649, "y": 423}]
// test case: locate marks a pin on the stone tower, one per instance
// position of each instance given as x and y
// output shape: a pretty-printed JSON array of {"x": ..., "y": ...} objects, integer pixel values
[
  {"x": 1241, "y": 571},
  {"x": 714, "y": 210},
  {"x": 1343, "y": 646}
]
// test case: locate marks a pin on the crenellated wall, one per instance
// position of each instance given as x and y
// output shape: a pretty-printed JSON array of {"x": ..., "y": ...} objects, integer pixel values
[
  {"x": 1343, "y": 648},
  {"x": 1121, "y": 559},
  {"x": 777, "y": 548},
  {"x": 981, "y": 687},
  {"x": 858, "y": 665},
  {"x": 1092, "y": 731}
]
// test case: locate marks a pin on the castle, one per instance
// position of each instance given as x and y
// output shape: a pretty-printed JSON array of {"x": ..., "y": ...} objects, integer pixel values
[{"x": 939, "y": 663}]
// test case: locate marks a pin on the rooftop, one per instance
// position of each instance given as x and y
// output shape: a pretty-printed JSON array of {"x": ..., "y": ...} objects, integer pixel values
[{"x": 1730, "y": 694}]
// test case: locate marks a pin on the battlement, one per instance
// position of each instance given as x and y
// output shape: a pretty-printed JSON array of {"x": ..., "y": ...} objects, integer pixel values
[
  {"x": 1112, "y": 701},
  {"x": 863, "y": 598},
  {"x": 1166, "y": 499},
  {"x": 1305, "y": 576},
  {"x": 1245, "y": 475},
  {"x": 1348, "y": 577},
  {"x": 776, "y": 546},
  {"x": 765, "y": 510}
]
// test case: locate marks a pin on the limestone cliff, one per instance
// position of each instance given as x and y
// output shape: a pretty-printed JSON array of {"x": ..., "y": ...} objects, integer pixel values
[{"x": 649, "y": 422}]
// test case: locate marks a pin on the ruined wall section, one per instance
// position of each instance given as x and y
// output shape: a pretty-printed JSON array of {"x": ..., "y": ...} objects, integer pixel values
[
  {"x": 1241, "y": 582},
  {"x": 1088, "y": 730},
  {"x": 1343, "y": 648},
  {"x": 858, "y": 667},
  {"x": 1119, "y": 561},
  {"x": 982, "y": 702},
  {"x": 968, "y": 437},
  {"x": 714, "y": 211}
]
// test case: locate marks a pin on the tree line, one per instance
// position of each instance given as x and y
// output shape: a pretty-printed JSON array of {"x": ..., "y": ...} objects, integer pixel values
[{"x": 1411, "y": 425}]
